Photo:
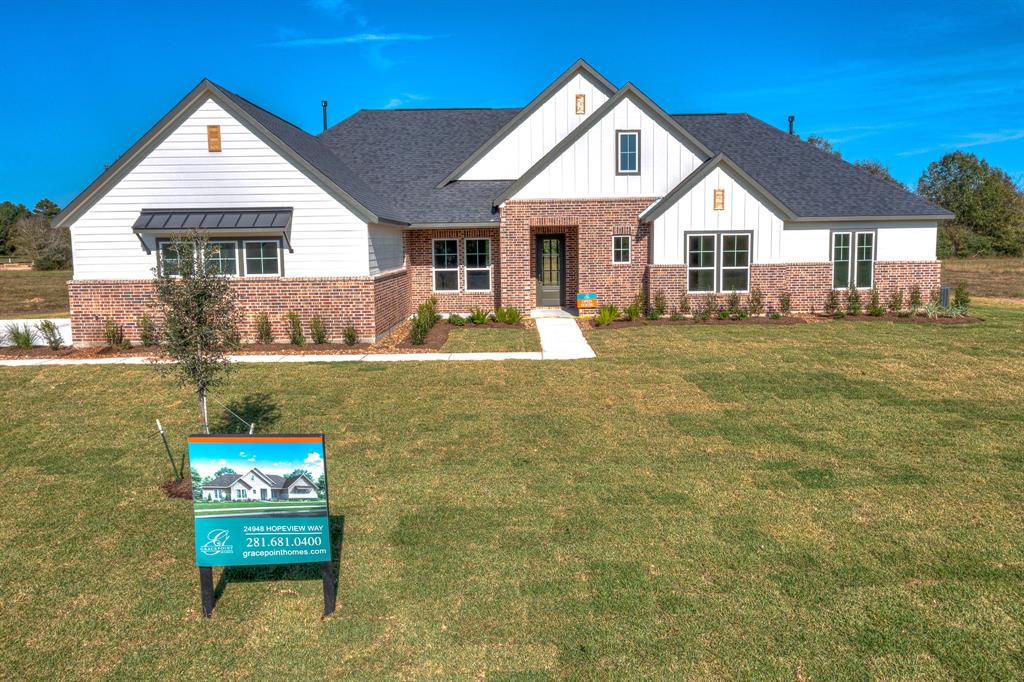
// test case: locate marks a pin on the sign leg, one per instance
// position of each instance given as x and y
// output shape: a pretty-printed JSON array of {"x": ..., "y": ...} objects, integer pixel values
[
  {"x": 206, "y": 589},
  {"x": 330, "y": 594}
]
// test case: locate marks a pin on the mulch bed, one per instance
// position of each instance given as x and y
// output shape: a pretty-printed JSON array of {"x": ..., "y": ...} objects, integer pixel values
[
  {"x": 619, "y": 324},
  {"x": 179, "y": 489}
]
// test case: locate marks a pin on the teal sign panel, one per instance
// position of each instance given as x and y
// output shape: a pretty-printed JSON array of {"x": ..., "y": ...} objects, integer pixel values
[{"x": 259, "y": 499}]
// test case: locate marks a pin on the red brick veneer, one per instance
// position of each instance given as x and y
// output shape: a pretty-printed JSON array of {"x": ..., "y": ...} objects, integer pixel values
[
  {"x": 371, "y": 305},
  {"x": 807, "y": 283},
  {"x": 419, "y": 247},
  {"x": 588, "y": 225}
]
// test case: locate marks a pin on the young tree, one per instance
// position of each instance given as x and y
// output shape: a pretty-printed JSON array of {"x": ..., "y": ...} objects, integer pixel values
[
  {"x": 10, "y": 213},
  {"x": 199, "y": 317},
  {"x": 989, "y": 207},
  {"x": 48, "y": 247},
  {"x": 197, "y": 483},
  {"x": 224, "y": 471},
  {"x": 878, "y": 169}
]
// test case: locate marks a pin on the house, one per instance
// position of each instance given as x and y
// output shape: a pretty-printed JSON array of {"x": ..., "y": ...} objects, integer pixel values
[
  {"x": 256, "y": 485},
  {"x": 591, "y": 188}
]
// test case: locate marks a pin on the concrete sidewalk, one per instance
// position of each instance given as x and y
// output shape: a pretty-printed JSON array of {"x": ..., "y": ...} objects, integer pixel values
[{"x": 560, "y": 339}]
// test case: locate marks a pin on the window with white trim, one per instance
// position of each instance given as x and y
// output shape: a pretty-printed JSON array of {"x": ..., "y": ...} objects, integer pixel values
[
  {"x": 700, "y": 262},
  {"x": 853, "y": 260},
  {"x": 222, "y": 257},
  {"x": 171, "y": 257},
  {"x": 735, "y": 262},
  {"x": 478, "y": 265},
  {"x": 446, "y": 264},
  {"x": 262, "y": 258},
  {"x": 628, "y": 148},
  {"x": 620, "y": 248}
]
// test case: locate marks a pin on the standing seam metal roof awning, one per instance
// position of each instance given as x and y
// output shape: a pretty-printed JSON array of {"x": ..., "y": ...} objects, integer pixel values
[{"x": 160, "y": 220}]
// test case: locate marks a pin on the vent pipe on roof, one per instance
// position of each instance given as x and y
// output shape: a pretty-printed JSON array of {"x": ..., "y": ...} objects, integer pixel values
[
  {"x": 791, "y": 119},
  {"x": 323, "y": 103}
]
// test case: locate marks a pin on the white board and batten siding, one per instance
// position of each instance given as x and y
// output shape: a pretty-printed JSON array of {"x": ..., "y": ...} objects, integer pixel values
[
  {"x": 538, "y": 133},
  {"x": 774, "y": 239},
  {"x": 587, "y": 169},
  {"x": 328, "y": 239}
]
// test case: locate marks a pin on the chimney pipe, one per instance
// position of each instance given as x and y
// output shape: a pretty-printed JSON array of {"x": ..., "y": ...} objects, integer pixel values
[
  {"x": 323, "y": 103},
  {"x": 791, "y": 119}
]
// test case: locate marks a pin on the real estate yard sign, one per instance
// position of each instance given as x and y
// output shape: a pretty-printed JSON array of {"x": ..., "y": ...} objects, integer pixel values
[{"x": 261, "y": 499}]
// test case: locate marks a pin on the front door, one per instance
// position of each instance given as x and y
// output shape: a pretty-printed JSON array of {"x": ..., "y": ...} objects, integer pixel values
[{"x": 550, "y": 270}]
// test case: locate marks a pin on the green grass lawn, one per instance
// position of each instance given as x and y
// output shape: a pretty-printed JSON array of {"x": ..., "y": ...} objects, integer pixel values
[
  {"x": 823, "y": 501},
  {"x": 491, "y": 339},
  {"x": 27, "y": 293}
]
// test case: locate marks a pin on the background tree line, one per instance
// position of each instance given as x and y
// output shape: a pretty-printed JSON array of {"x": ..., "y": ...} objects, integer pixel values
[
  {"x": 30, "y": 235},
  {"x": 987, "y": 203}
]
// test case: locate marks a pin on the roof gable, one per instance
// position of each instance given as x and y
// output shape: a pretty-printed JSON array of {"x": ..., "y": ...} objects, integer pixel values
[
  {"x": 628, "y": 96},
  {"x": 300, "y": 148},
  {"x": 504, "y": 143}
]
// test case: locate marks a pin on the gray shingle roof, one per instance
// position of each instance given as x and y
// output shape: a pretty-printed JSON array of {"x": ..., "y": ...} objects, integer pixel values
[
  {"x": 810, "y": 182},
  {"x": 405, "y": 153},
  {"x": 223, "y": 481}
]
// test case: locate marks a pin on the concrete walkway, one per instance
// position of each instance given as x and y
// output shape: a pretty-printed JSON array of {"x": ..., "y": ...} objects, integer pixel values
[{"x": 560, "y": 339}]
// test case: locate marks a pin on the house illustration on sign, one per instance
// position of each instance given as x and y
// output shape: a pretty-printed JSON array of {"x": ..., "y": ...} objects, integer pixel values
[{"x": 256, "y": 485}]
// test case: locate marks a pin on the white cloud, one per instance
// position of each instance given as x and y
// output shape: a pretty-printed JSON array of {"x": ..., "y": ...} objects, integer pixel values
[
  {"x": 354, "y": 39},
  {"x": 970, "y": 140},
  {"x": 312, "y": 458}
]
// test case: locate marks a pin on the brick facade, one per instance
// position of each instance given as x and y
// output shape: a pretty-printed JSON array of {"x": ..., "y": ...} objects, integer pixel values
[
  {"x": 588, "y": 226},
  {"x": 371, "y": 305},
  {"x": 419, "y": 248},
  {"x": 807, "y": 283}
]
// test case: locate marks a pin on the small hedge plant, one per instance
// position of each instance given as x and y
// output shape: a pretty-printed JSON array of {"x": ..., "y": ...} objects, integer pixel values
[
  {"x": 456, "y": 320},
  {"x": 317, "y": 330},
  {"x": 831, "y": 305},
  {"x": 853, "y": 306},
  {"x": 148, "y": 334},
  {"x": 349, "y": 335},
  {"x": 606, "y": 315},
  {"x": 756, "y": 303},
  {"x": 785, "y": 302},
  {"x": 295, "y": 334},
  {"x": 875, "y": 308},
  {"x": 895, "y": 302},
  {"x": 51, "y": 334},
  {"x": 635, "y": 309},
  {"x": 264, "y": 334},
  {"x": 425, "y": 318},
  {"x": 114, "y": 335}
]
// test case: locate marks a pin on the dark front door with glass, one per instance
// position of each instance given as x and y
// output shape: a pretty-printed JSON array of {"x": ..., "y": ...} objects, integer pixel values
[{"x": 550, "y": 270}]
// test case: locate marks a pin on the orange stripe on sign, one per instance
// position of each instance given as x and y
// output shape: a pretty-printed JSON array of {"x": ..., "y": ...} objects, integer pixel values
[{"x": 261, "y": 439}]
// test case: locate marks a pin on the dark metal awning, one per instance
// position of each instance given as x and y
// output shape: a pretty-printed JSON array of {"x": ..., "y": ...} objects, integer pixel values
[{"x": 231, "y": 219}]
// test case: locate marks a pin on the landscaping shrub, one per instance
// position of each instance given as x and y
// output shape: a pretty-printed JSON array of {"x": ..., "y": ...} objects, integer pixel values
[
  {"x": 831, "y": 305},
  {"x": 853, "y": 301},
  {"x": 51, "y": 334},
  {"x": 148, "y": 333},
  {"x": 961, "y": 297},
  {"x": 756, "y": 303},
  {"x": 660, "y": 304},
  {"x": 349, "y": 335},
  {"x": 263, "y": 331},
  {"x": 606, "y": 315},
  {"x": 634, "y": 309},
  {"x": 652, "y": 314},
  {"x": 733, "y": 306},
  {"x": 915, "y": 299},
  {"x": 295, "y": 334},
  {"x": 706, "y": 307},
  {"x": 426, "y": 317},
  {"x": 457, "y": 320},
  {"x": 317, "y": 330},
  {"x": 114, "y": 334},
  {"x": 875, "y": 308},
  {"x": 22, "y": 337},
  {"x": 418, "y": 333},
  {"x": 932, "y": 309},
  {"x": 479, "y": 316},
  {"x": 512, "y": 315},
  {"x": 684, "y": 305},
  {"x": 895, "y": 302},
  {"x": 785, "y": 303}
]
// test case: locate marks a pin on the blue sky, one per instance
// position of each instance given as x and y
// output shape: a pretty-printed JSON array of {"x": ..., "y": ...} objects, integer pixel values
[
  {"x": 270, "y": 458},
  {"x": 900, "y": 84}
]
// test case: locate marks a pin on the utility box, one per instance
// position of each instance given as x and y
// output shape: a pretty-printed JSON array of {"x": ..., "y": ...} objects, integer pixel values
[{"x": 944, "y": 297}]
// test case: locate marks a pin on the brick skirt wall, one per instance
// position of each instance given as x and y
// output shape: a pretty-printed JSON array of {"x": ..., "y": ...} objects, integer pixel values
[
  {"x": 807, "y": 283},
  {"x": 419, "y": 247},
  {"x": 371, "y": 305}
]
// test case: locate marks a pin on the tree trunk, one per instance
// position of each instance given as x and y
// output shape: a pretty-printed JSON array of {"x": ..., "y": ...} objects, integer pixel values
[{"x": 202, "y": 410}]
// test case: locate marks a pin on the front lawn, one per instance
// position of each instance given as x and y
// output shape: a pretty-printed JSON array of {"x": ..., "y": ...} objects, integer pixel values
[
  {"x": 27, "y": 293},
  {"x": 816, "y": 501}
]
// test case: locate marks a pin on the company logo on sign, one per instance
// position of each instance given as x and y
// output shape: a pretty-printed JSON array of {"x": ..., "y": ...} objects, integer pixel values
[{"x": 217, "y": 543}]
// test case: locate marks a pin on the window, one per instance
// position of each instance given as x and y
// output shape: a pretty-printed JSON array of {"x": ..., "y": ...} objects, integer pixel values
[
  {"x": 261, "y": 258},
  {"x": 735, "y": 262},
  {"x": 446, "y": 265},
  {"x": 620, "y": 248},
  {"x": 853, "y": 260},
  {"x": 223, "y": 258},
  {"x": 240, "y": 494},
  {"x": 700, "y": 262},
  {"x": 300, "y": 490},
  {"x": 171, "y": 257},
  {"x": 478, "y": 265},
  {"x": 628, "y": 147}
]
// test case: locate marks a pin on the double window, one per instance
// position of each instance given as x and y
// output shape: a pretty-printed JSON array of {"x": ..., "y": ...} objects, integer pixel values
[
  {"x": 446, "y": 265},
  {"x": 620, "y": 248},
  {"x": 262, "y": 257},
  {"x": 853, "y": 260},
  {"x": 718, "y": 262},
  {"x": 627, "y": 145}
]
